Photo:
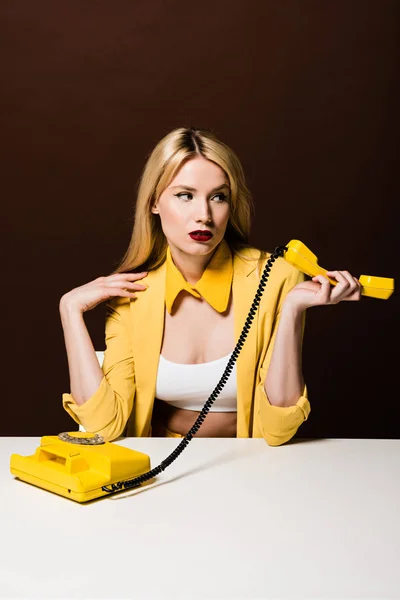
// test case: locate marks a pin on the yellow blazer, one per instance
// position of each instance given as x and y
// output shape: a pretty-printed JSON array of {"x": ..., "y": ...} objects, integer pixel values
[{"x": 123, "y": 403}]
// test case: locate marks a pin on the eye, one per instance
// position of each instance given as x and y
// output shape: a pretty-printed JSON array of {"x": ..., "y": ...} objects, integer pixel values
[
  {"x": 224, "y": 196},
  {"x": 182, "y": 194}
]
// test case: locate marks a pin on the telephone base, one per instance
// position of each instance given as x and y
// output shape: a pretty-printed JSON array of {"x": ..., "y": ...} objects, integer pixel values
[{"x": 77, "y": 471}]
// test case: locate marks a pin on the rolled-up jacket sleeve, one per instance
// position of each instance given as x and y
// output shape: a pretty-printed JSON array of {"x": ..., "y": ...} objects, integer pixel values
[
  {"x": 107, "y": 411},
  {"x": 279, "y": 424}
]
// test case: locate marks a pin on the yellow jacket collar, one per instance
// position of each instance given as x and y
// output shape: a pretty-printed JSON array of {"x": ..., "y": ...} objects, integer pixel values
[{"x": 214, "y": 285}]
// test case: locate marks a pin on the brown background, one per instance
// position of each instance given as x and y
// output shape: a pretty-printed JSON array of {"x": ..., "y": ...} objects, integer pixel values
[{"x": 307, "y": 95}]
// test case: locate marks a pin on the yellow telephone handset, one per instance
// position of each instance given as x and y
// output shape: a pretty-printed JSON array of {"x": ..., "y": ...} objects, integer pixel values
[{"x": 298, "y": 255}]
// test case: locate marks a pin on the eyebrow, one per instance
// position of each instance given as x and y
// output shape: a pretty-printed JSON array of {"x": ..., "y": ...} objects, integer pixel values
[{"x": 192, "y": 189}]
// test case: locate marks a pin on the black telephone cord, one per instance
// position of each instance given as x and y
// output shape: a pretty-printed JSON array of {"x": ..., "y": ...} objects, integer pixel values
[{"x": 137, "y": 481}]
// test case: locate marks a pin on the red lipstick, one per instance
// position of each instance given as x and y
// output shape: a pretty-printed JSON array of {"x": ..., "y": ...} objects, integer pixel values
[{"x": 201, "y": 235}]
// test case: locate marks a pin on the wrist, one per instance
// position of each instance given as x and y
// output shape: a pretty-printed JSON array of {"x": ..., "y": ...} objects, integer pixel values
[
  {"x": 291, "y": 309},
  {"x": 68, "y": 309}
]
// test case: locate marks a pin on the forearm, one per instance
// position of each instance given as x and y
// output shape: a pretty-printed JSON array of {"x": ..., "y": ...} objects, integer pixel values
[
  {"x": 284, "y": 381},
  {"x": 84, "y": 369}
]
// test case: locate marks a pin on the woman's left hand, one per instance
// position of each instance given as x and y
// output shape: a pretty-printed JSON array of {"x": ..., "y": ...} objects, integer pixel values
[{"x": 320, "y": 292}]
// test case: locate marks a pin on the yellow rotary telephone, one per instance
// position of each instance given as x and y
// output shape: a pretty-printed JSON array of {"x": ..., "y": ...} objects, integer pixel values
[{"x": 82, "y": 466}]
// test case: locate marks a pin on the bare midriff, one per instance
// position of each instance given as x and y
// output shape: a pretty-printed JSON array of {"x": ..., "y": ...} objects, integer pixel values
[{"x": 196, "y": 333}]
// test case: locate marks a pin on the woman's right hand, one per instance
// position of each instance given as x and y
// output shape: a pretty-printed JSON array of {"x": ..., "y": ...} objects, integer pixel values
[{"x": 91, "y": 294}]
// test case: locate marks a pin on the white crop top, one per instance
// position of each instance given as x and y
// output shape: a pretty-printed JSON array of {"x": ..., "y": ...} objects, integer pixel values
[{"x": 190, "y": 386}]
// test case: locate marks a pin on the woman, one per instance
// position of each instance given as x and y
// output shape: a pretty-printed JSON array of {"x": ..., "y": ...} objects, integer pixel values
[{"x": 177, "y": 304}]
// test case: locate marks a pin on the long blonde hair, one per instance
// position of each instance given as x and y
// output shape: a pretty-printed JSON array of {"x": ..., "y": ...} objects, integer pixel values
[{"x": 148, "y": 245}]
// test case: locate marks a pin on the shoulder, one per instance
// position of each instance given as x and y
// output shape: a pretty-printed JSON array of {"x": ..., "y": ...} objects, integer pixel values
[
  {"x": 118, "y": 306},
  {"x": 282, "y": 277},
  {"x": 282, "y": 270}
]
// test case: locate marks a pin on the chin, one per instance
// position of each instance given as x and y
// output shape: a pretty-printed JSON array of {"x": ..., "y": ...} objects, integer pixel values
[{"x": 202, "y": 247}]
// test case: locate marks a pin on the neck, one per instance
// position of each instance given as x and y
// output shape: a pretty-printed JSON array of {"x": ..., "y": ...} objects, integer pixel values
[{"x": 192, "y": 266}]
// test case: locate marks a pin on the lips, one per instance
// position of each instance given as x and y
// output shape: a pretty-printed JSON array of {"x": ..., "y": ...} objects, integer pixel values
[{"x": 200, "y": 232}]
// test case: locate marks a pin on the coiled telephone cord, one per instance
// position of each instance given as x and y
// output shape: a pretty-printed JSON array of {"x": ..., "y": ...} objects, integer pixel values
[{"x": 137, "y": 481}]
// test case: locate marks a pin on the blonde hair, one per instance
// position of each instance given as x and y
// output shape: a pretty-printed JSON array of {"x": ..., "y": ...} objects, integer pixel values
[{"x": 148, "y": 245}]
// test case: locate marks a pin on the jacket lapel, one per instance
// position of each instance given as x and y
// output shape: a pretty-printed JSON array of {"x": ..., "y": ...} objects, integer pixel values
[
  {"x": 147, "y": 317},
  {"x": 244, "y": 287}
]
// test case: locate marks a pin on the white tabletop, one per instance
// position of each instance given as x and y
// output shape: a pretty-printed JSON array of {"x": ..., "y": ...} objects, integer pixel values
[{"x": 230, "y": 518}]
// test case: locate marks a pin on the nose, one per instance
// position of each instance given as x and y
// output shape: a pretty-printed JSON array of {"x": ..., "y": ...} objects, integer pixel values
[{"x": 203, "y": 212}]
